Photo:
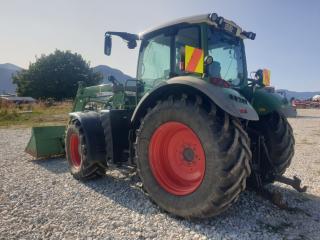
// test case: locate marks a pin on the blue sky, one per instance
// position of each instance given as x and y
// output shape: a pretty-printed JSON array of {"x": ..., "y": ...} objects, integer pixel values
[{"x": 287, "y": 39}]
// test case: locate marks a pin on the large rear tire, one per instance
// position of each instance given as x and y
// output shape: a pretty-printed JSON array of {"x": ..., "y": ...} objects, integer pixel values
[
  {"x": 80, "y": 166},
  {"x": 279, "y": 141},
  {"x": 192, "y": 162}
]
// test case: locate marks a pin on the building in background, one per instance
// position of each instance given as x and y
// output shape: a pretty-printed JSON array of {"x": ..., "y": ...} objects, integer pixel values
[{"x": 8, "y": 98}]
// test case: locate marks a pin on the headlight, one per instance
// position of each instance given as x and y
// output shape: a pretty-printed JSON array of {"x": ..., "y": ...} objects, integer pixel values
[{"x": 213, "y": 17}]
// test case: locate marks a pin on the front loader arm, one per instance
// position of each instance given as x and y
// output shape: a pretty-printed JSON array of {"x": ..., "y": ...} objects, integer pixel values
[{"x": 124, "y": 35}]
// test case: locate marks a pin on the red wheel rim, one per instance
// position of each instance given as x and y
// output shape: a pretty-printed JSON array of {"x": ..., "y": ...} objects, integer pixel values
[
  {"x": 74, "y": 150},
  {"x": 177, "y": 158}
]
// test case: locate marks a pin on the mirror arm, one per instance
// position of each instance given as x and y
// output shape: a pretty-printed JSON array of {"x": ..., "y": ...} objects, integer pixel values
[{"x": 124, "y": 35}]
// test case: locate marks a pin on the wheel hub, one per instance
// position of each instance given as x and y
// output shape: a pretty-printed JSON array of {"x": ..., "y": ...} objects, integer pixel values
[
  {"x": 177, "y": 158},
  {"x": 188, "y": 154}
]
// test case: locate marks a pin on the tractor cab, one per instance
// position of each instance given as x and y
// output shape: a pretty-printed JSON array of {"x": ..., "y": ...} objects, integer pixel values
[{"x": 205, "y": 46}]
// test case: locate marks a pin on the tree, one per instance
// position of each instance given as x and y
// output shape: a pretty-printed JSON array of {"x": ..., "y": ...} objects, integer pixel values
[{"x": 55, "y": 76}]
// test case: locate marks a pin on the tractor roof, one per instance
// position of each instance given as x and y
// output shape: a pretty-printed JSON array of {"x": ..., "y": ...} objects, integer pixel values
[
  {"x": 211, "y": 19},
  {"x": 194, "y": 19},
  {"x": 203, "y": 18}
]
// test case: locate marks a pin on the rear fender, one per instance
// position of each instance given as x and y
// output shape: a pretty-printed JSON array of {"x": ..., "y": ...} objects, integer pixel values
[{"x": 227, "y": 99}]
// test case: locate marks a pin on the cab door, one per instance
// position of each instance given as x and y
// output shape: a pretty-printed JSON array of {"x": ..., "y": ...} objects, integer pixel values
[{"x": 154, "y": 65}]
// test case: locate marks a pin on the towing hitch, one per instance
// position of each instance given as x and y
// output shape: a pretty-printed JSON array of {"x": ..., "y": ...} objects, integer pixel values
[
  {"x": 295, "y": 182},
  {"x": 274, "y": 196}
]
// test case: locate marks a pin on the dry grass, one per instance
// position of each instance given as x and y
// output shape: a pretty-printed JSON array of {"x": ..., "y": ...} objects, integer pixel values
[{"x": 38, "y": 114}]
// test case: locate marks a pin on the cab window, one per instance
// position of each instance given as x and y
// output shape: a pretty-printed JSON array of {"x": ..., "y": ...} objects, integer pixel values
[
  {"x": 227, "y": 53},
  {"x": 186, "y": 36},
  {"x": 154, "y": 61}
]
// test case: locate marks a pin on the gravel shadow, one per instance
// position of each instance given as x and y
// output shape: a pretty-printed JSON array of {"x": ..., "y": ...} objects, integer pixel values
[
  {"x": 120, "y": 185},
  {"x": 123, "y": 187},
  {"x": 54, "y": 165}
]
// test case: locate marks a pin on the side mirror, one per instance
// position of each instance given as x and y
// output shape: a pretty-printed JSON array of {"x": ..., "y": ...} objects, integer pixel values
[
  {"x": 107, "y": 45},
  {"x": 208, "y": 60},
  {"x": 263, "y": 77}
]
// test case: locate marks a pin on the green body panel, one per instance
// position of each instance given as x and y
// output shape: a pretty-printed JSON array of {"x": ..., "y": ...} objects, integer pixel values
[
  {"x": 46, "y": 141},
  {"x": 265, "y": 102}
]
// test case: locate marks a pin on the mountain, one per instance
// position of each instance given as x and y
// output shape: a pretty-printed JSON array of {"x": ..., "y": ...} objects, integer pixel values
[
  {"x": 8, "y": 69},
  {"x": 10, "y": 66},
  {"x": 107, "y": 71},
  {"x": 6, "y": 72},
  {"x": 298, "y": 95}
]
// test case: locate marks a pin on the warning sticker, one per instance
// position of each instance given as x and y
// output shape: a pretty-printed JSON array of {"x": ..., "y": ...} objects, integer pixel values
[{"x": 194, "y": 59}]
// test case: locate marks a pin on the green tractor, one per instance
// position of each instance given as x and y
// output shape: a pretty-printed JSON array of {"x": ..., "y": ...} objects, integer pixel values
[{"x": 194, "y": 126}]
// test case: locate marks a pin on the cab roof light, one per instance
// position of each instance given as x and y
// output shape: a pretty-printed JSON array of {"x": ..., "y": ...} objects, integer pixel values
[
  {"x": 222, "y": 24},
  {"x": 215, "y": 18}
]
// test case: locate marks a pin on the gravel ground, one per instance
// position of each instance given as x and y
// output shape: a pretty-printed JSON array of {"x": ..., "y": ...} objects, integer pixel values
[{"x": 40, "y": 200}]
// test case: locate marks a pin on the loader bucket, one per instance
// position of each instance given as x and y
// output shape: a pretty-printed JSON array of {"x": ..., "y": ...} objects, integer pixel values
[{"x": 46, "y": 141}]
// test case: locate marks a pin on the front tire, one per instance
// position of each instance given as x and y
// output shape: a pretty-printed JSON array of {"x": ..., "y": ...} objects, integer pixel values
[
  {"x": 192, "y": 163},
  {"x": 279, "y": 140},
  {"x": 80, "y": 166}
]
